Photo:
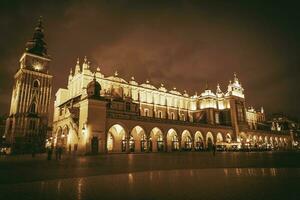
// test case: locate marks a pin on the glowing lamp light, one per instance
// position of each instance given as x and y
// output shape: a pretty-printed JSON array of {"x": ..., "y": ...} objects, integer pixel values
[{"x": 84, "y": 129}]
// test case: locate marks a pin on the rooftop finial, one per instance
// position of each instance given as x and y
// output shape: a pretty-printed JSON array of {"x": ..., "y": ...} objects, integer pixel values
[
  {"x": 147, "y": 81},
  {"x": 235, "y": 78},
  {"x": 206, "y": 86},
  {"x": 116, "y": 73},
  {"x": 218, "y": 88},
  {"x": 85, "y": 59},
  {"x": 77, "y": 61},
  {"x": 132, "y": 78},
  {"x": 40, "y": 22}
]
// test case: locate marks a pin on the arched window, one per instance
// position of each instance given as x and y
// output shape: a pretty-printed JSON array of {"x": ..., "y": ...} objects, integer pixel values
[
  {"x": 172, "y": 116},
  {"x": 159, "y": 114},
  {"x": 32, "y": 108},
  {"x": 36, "y": 84},
  {"x": 147, "y": 112}
]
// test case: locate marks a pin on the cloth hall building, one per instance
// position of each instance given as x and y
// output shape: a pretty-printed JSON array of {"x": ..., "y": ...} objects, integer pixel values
[{"x": 103, "y": 114}]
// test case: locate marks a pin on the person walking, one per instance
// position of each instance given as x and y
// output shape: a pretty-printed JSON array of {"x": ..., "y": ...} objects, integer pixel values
[
  {"x": 214, "y": 149},
  {"x": 56, "y": 153},
  {"x": 59, "y": 152},
  {"x": 49, "y": 153}
]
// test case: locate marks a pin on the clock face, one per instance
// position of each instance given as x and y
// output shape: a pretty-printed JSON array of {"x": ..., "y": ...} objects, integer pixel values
[{"x": 37, "y": 65}]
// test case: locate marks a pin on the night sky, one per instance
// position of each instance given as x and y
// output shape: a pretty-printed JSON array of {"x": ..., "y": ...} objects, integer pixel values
[{"x": 182, "y": 44}]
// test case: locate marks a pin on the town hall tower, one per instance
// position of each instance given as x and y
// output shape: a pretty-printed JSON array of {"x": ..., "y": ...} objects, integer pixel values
[{"x": 27, "y": 124}]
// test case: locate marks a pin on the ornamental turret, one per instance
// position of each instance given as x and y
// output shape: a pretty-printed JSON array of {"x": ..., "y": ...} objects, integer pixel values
[
  {"x": 235, "y": 88},
  {"x": 93, "y": 88}
]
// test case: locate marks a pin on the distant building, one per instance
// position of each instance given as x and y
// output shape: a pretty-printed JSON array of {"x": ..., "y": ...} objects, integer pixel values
[
  {"x": 97, "y": 113},
  {"x": 255, "y": 118},
  {"x": 27, "y": 123},
  {"x": 282, "y": 123}
]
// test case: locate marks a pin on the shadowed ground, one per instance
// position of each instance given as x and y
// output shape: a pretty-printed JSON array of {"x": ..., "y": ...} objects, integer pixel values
[{"x": 179, "y": 175}]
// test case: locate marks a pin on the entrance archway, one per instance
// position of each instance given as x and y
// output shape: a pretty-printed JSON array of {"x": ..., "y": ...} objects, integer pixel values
[
  {"x": 219, "y": 138},
  {"x": 116, "y": 139},
  {"x": 172, "y": 140},
  {"x": 139, "y": 137},
  {"x": 209, "y": 141},
  {"x": 156, "y": 141},
  {"x": 228, "y": 138},
  {"x": 199, "y": 141},
  {"x": 186, "y": 140}
]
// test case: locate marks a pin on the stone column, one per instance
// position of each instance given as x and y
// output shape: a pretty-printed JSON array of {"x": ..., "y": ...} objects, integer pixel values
[
  {"x": 193, "y": 145},
  {"x": 127, "y": 144}
]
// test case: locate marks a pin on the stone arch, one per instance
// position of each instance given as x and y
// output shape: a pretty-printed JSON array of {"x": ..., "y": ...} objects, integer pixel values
[
  {"x": 199, "y": 141},
  {"x": 260, "y": 142},
  {"x": 228, "y": 138},
  {"x": 266, "y": 140},
  {"x": 186, "y": 140},
  {"x": 172, "y": 140},
  {"x": 255, "y": 141},
  {"x": 58, "y": 134},
  {"x": 138, "y": 134},
  {"x": 156, "y": 140},
  {"x": 62, "y": 138},
  {"x": 243, "y": 138},
  {"x": 209, "y": 140},
  {"x": 281, "y": 144},
  {"x": 267, "y": 143},
  {"x": 276, "y": 142},
  {"x": 116, "y": 139},
  {"x": 271, "y": 142},
  {"x": 36, "y": 84},
  {"x": 219, "y": 138}
]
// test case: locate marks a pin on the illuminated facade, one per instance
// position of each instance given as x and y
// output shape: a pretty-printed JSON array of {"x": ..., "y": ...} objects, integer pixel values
[
  {"x": 27, "y": 124},
  {"x": 98, "y": 113}
]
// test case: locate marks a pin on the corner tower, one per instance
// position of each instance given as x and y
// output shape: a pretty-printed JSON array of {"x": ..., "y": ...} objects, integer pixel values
[
  {"x": 236, "y": 98},
  {"x": 26, "y": 126}
]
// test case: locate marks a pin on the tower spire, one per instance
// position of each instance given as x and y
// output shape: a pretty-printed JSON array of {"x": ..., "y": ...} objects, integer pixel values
[{"x": 37, "y": 45}]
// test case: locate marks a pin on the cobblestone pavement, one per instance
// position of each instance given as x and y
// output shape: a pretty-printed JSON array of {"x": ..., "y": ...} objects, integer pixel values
[{"x": 181, "y": 175}]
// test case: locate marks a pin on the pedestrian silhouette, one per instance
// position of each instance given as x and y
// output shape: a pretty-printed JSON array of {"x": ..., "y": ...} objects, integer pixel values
[
  {"x": 214, "y": 149},
  {"x": 59, "y": 152},
  {"x": 49, "y": 153},
  {"x": 56, "y": 153}
]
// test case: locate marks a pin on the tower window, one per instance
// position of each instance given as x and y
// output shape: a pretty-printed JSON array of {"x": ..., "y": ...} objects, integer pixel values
[{"x": 36, "y": 84}]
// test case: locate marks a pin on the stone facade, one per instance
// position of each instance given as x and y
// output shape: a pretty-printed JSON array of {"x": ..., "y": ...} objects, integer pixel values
[
  {"x": 103, "y": 114},
  {"x": 27, "y": 123}
]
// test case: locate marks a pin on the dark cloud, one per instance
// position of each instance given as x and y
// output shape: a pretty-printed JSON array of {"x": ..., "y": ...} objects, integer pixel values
[{"x": 180, "y": 43}]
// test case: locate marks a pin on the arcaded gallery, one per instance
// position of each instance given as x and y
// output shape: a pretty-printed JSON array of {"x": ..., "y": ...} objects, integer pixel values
[{"x": 106, "y": 114}]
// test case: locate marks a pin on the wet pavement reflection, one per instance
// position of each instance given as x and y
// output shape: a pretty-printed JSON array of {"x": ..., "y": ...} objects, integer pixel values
[{"x": 218, "y": 183}]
